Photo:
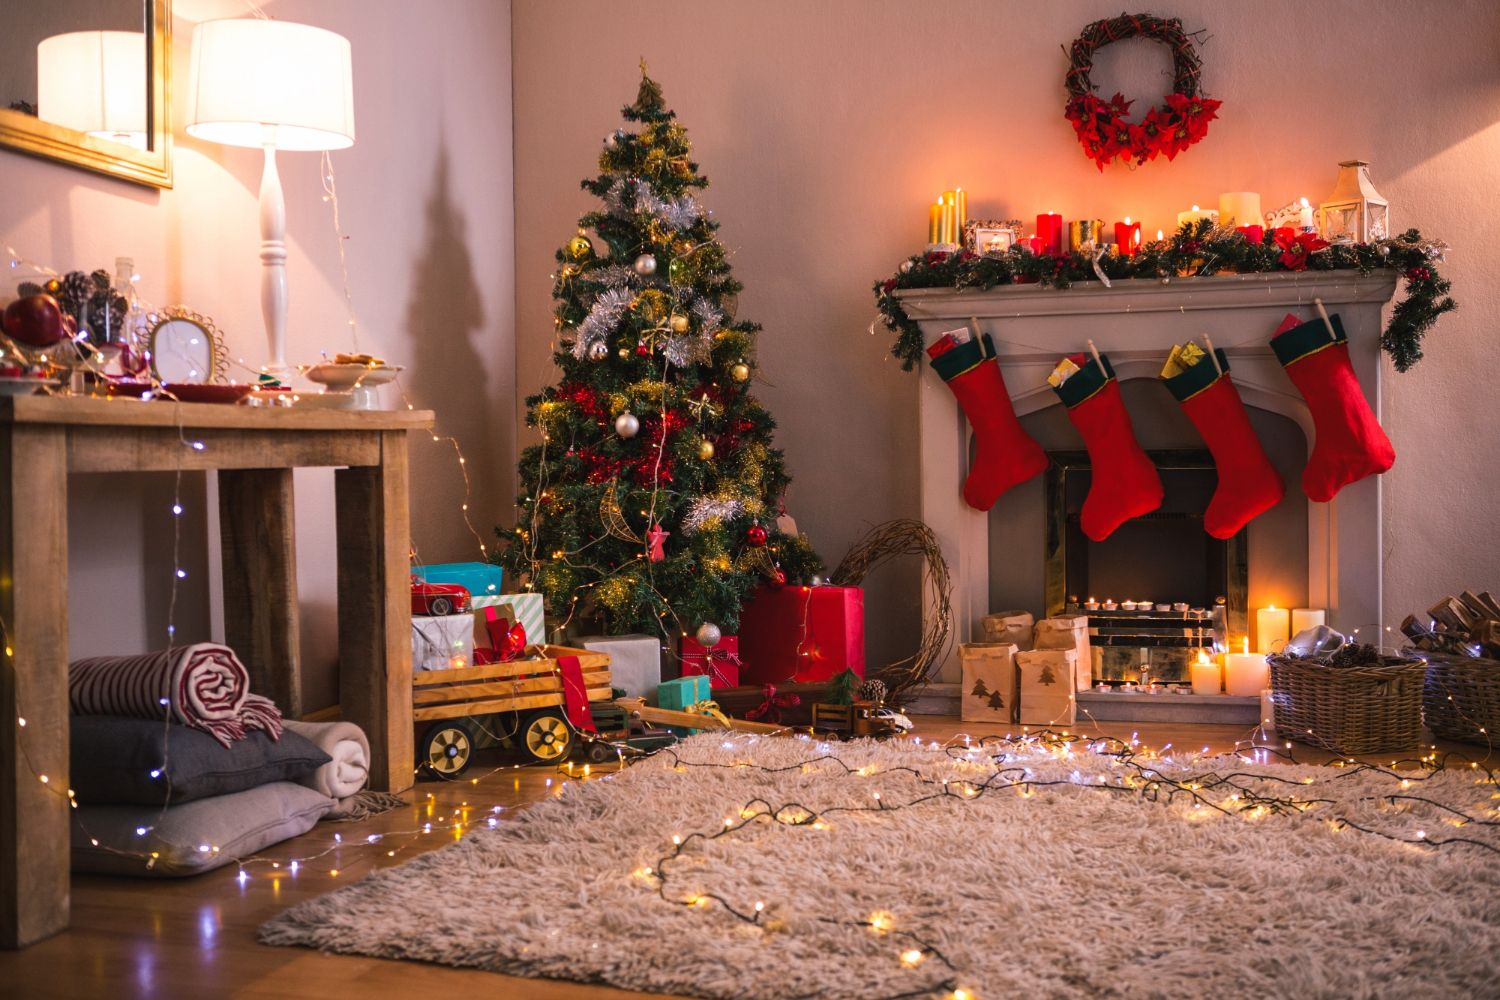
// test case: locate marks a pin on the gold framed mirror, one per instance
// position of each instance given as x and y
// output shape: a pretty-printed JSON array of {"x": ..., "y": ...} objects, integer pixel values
[
  {"x": 184, "y": 346},
  {"x": 97, "y": 98}
]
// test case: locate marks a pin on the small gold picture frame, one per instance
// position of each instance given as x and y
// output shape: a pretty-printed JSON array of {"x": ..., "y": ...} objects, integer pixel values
[{"x": 991, "y": 235}]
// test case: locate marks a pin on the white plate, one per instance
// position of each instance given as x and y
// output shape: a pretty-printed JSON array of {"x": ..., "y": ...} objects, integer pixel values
[
  {"x": 11, "y": 385},
  {"x": 347, "y": 376}
]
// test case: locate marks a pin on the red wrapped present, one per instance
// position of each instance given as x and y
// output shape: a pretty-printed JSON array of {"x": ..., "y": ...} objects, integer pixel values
[
  {"x": 721, "y": 663},
  {"x": 793, "y": 634}
]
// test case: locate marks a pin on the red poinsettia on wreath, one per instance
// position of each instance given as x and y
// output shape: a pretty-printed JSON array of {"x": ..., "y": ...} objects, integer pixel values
[
  {"x": 1107, "y": 135},
  {"x": 1297, "y": 247}
]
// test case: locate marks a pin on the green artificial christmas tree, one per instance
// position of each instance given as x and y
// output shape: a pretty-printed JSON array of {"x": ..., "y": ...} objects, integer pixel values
[{"x": 651, "y": 501}]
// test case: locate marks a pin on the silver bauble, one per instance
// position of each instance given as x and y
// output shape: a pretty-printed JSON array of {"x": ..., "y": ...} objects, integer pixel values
[
  {"x": 817, "y": 581},
  {"x": 627, "y": 425},
  {"x": 906, "y": 267},
  {"x": 708, "y": 635},
  {"x": 645, "y": 265},
  {"x": 599, "y": 351}
]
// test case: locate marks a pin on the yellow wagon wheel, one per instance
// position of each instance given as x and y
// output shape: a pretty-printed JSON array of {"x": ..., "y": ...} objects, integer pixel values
[
  {"x": 447, "y": 749},
  {"x": 544, "y": 735}
]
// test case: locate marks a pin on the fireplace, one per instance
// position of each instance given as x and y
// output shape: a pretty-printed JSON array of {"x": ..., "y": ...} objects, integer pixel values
[
  {"x": 1175, "y": 589},
  {"x": 1322, "y": 555}
]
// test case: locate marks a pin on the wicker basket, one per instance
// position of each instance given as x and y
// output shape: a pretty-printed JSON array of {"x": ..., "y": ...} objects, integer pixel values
[
  {"x": 1461, "y": 697},
  {"x": 1373, "y": 709}
]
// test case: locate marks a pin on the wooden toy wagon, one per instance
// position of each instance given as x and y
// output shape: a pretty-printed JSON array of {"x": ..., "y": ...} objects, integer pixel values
[{"x": 536, "y": 704}]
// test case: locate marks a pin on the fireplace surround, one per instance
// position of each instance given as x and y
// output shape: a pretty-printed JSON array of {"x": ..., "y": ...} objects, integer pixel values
[{"x": 1135, "y": 322}]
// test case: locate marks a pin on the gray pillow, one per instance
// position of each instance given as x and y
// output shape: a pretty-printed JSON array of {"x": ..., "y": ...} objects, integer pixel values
[
  {"x": 119, "y": 760},
  {"x": 197, "y": 837}
]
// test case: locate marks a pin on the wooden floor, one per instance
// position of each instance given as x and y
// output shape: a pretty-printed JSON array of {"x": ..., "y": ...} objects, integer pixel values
[{"x": 196, "y": 937}]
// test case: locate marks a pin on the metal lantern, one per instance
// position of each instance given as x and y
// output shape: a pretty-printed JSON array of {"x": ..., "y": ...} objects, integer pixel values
[{"x": 1355, "y": 212}]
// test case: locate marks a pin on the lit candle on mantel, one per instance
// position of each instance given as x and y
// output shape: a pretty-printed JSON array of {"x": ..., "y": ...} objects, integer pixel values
[
  {"x": 1049, "y": 228},
  {"x": 1246, "y": 674},
  {"x": 935, "y": 221},
  {"x": 1305, "y": 217},
  {"x": 1127, "y": 237},
  {"x": 1205, "y": 674},
  {"x": 960, "y": 213},
  {"x": 1271, "y": 627},
  {"x": 947, "y": 220},
  {"x": 1240, "y": 208},
  {"x": 1194, "y": 214}
]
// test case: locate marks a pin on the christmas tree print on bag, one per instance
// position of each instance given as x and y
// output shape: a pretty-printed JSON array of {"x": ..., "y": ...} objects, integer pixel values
[{"x": 1349, "y": 443}]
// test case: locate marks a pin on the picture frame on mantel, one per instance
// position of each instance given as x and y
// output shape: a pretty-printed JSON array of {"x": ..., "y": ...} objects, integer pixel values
[{"x": 25, "y": 132}]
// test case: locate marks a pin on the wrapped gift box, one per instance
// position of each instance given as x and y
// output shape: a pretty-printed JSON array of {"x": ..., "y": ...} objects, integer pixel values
[
  {"x": 1045, "y": 680},
  {"x": 480, "y": 579},
  {"x": 988, "y": 693},
  {"x": 1068, "y": 632},
  {"x": 794, "y": 634},
  {"x": 634, "y": 662},
  {"x": 441, "y": 643},
  {"x": 523, "y": 608},
  {"x": 720, "y": 664},
  {"x": 680, "y": 693}
]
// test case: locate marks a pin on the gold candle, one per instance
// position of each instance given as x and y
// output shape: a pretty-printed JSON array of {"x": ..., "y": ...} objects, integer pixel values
[
  {"x": 1081, "y": 231},
  {"x": 935, "y": 221},
  {"x": 960, "y": 214},
  {"x": 949, "y": 207}
]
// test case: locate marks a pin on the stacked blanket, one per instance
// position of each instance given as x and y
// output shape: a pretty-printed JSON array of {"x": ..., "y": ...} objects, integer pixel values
[{"x": 204, "y": 686}]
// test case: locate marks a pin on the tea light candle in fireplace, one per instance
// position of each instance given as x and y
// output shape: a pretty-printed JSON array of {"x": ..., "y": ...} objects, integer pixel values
[
  {"x": 1246, "y": 674},
  {"x": 1109, "y": 605},
  {"x": 1127, "y": 605},
  {"x": 1271, "y": 625},
  {"x": 1205, "y": 675},
  {"x": 1306, "y": 618},
  {"x": 1091, "y": 605}
]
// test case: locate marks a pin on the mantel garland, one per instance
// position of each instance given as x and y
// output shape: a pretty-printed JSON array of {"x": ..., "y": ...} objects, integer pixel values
[
  {"x": 1196, "y": 250},
  {"x": 1167, "y": 129}
]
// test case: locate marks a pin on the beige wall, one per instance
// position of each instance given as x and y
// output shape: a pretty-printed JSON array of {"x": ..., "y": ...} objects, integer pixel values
[
  {"x": 425, "y": 198},
  {"x": 827, "y": 127}
]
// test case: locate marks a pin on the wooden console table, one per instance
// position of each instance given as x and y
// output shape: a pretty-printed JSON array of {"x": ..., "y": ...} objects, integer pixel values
[{"x": 253, "y": 450}]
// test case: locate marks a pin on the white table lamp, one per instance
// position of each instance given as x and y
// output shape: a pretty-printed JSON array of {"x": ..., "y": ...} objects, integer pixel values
[
  {"x": 275, "y": 85},
  {"x": 94, "y": 82}
]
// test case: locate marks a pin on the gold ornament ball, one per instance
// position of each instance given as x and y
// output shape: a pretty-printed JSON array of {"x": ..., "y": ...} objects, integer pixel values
[
  {"x": 679, "y": 323},
  {"x": 740, "y": 372},
  {"x": 579, "y": 246},
  {"x": 705, "y": 449}
]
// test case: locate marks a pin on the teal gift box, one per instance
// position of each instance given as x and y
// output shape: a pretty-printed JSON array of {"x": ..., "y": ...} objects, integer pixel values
[
  {"x": 680, "y": 693},
  {"x": 481, "y": 579}
]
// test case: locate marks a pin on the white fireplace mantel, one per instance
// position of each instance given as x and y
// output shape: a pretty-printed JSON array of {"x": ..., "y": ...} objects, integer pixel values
[{"x": 1136, "y": 322}]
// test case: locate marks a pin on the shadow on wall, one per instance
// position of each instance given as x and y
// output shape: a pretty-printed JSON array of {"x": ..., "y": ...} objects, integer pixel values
[{"x": 448, "y": 374}]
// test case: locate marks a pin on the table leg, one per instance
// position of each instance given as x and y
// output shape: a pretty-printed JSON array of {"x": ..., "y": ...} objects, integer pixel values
[
  {"x": 256, "y": 528},
  {"x": 34, "y": 685},
  {"x": 374, "y": 540}
]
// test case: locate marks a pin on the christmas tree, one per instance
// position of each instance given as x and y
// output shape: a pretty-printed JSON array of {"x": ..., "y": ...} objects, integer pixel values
[{"x": 651, "y": 501}]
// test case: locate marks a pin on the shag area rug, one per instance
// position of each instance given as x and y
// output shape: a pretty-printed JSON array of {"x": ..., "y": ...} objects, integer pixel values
[{"x": 864, "y": 870}]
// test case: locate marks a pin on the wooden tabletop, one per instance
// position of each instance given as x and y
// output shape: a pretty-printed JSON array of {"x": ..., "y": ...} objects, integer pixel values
[{"x": 85, "y": 411}]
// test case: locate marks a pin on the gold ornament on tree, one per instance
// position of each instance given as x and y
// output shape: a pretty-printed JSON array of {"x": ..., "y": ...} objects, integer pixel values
[
  {"x": 679, "y": 323},
  {"x": 740, "y": 372},
  {"x": 705, "y": 449},
  {"x": 579, "y": 247}
]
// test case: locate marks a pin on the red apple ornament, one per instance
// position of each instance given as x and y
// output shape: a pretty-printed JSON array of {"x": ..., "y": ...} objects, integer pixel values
[{"x": 36, "y": 321}]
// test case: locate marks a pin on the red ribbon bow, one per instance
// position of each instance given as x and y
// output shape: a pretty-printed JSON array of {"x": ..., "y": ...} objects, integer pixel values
[{"x": 770, "y": 709}]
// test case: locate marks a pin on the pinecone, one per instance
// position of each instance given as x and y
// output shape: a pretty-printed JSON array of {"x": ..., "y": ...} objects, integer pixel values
[
  {"x": 107, "y": 314},
  {"x": 73, "y": 293},
  {"x": 27, "y": 289},
  {"x": 874, "y": 690}
]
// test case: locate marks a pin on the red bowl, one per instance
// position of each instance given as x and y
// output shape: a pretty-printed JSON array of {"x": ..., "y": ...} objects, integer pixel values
[{"x": 204, "y": 392}]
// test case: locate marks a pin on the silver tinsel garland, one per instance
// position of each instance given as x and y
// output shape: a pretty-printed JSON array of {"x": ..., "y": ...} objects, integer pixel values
[
  {"x": 706, "y": 509},
  {"x": 604, "y": 315},
  {"x": 614, "y": 276},
  {"x": 625, "y": 198}
]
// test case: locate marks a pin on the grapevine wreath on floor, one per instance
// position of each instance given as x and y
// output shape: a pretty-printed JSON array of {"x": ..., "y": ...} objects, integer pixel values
[{"x": 1167, "y": 129}]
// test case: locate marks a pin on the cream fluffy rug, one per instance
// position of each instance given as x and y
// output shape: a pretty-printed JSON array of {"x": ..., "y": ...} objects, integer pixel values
[{"x": 1049, "y": 889}]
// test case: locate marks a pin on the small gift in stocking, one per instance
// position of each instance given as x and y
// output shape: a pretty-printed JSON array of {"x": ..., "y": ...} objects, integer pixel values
[
  {"x": 1249, "y": 484},
  {"x": 1005, "y": 455},
  {"x": 1349, "y": 443},
  {"x": 1124, "y": 482}
]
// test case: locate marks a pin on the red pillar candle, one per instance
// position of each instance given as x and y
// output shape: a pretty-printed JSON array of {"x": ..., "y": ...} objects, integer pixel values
[
  {"x": 1252, "y": 233},
  {"x": 1128, "y": 237},
  {"x": 1049, "y": 228}
]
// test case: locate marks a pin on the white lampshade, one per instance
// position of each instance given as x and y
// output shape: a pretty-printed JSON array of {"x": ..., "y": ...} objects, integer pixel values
[
  {"x": 94, "y": 82},
  {"x": 256, "y": 81}
]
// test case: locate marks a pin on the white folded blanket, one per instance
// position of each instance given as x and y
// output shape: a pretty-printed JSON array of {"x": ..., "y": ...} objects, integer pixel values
[{"x": 344, "y": 777}]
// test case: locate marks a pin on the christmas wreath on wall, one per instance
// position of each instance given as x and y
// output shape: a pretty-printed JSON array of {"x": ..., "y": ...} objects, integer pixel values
[{"x": 1167, "y": 129}]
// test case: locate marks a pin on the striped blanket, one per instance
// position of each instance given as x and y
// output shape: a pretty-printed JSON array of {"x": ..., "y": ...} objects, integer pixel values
[{"x": 204, "y": 686}]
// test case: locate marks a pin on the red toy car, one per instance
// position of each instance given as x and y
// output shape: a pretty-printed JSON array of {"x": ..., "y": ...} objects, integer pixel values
[{"x": 438, "y": 599}]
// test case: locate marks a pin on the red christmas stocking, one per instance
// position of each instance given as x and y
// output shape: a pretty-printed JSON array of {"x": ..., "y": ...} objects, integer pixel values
[
  {"x": 1005, "y": 455},
  {"x": 1124, "y": 482},
  {"x": 1248, "y": 483},
  {"x": 1349, "y": 444}
]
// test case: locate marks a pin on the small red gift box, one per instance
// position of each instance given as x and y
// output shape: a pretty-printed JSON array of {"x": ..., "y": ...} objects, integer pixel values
[
  {"x": 721, "y": 664},
  {"x": 802, "y": 634}
]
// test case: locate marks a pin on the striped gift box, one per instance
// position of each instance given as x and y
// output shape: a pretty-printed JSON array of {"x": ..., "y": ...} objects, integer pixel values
[{"x": 524, "y": 608}]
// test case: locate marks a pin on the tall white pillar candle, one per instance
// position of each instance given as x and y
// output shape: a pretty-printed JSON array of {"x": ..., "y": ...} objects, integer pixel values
[
  {"x": 1271, "y": 624},
  {"x": 1306, "y": 618},
  {"x": 1246, "y": 674}
]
